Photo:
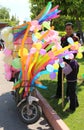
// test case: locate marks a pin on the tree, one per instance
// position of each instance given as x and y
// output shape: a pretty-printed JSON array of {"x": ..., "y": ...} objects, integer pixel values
[
  {"x": 13, "y": 18},
  {"x": 4, "y": 13},
  {"x": 72, "y": 10},
  {"x": 5, "y": 17}
]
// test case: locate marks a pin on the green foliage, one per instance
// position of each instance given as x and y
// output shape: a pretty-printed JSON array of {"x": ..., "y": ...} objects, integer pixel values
[
  {"x": 72, "y": 10},
  {"x": 13, "y": 18},
  {"x": 5, "y": 17},
  {"x": 4, "y": 13}
]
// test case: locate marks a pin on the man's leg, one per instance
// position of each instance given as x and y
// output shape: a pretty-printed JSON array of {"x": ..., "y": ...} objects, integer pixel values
[
  {"x": 72, "y": 95},
  {"x": 59, "y": 84}
]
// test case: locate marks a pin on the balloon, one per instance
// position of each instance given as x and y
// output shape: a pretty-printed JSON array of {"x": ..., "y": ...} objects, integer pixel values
[
  {"x": 53, "y": 16},
  {"x": 17, "y": 82},
  {"x": 53, "y": 75},
  {"x": 34, "y": 38},
  {"x": 38, "y": 45},
  {"x": 51, "y": 54},
  {"x": 62, "y": 65},
  {"x": 50, "y": 68},
  {"x": 8, "y": 60},
  {"x": 79, "y": 55},
  {"x": 16, "y": 63},
  {"x": 48, "y": 7},
  {"x": 42, "y": 62},
  {"x": 38, "y": 35},
  {"x": 7, "y": 52},
  {"x": 32, "y": 64},
  {"x": 25, "y": 52},
  {"x": 40, "y": 86},
  {"x": 49, "y": 47},
  {"x": 49, "y": 15},
  {"x": 71, "y": 56},
  {"x": 10, "y": 46},
  {"x": 57, "y": 61},
  {"x": 44, "y": 35},
  {"x": 38, "y": 75},
  {"x": 5, "y": 32},
  {"x": 51, "y": 62},
  {"x": 53, "y": 9},
  {"x": 20, "y": 74},
  {"x": 46, "y": 24},
  {"x": 70, "y": 40},
  {"x": 21, "y": 90},
  {"x": 40, "y": 15},
  {"x": 10, "y": 37},
  {"x": 7, "y": 67},
  {"x": 42, "y": 51},
  {"x": 28, "y": 63},
  {"x": 66, "y": 56},
  {"x": 74, "y": 47},
  {"x": 8, "y": 75},
  {"x": 18, "y": 35},
  {"x": 60, "y": 60},
  {"x": 32, "y": 50},
  {"x": 56, "y": 66}
]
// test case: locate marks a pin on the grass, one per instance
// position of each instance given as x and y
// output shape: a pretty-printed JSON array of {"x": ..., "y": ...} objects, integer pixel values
[{"x": 74, "y": 121}]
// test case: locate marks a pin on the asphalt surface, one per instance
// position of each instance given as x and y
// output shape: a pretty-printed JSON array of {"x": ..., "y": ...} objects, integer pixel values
[{"x": 9, "y": 119}]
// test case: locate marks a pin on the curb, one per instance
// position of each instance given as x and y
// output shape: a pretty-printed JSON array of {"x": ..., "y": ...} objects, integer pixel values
[{"x": 55, "y": 121}]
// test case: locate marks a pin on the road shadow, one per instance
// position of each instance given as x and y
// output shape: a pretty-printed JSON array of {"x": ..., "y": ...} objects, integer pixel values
[
  {"x": 9, "y": 119},
  {"x": 42, "y": 122}
]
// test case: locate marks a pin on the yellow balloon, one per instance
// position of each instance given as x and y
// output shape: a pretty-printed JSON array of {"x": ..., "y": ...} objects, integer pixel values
[
  {"x": 38, "y": 35},
  {"x": 79, "y": 55},
  {"x": 37, "y": 45},
  {"x": 56, "y": 66},
  {"x": 25, "y": 52},
  {"x": 54, "y": 49},
  {"x": 76, "y": 42}
]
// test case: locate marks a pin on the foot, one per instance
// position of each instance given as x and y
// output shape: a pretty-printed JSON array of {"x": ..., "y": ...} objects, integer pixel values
[{"x": 77, "y": 105}]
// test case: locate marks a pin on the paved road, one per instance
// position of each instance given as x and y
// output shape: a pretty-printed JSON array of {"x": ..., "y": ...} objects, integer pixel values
[{"x": 9, "y": 119}]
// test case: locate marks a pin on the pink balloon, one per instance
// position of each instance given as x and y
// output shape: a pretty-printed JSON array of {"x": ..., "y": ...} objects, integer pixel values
[
  {"x": 7, "y": 67},
  {"x": 29, "y": 41},
  {"x": 51, "y": 54},
  {"x": 42, "y": 51},
  {"x": 8, "y": 75},
  {"x": 32, "y": 50},
  {"x": 71, "y": 56},
  {"x": 35, "y": 25},
  {"x": 53, "y": 17},
  {"x": 53, "y": 9},
  {"x": 7, "y": 52},
  {"x": 52, "y": 62}
]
